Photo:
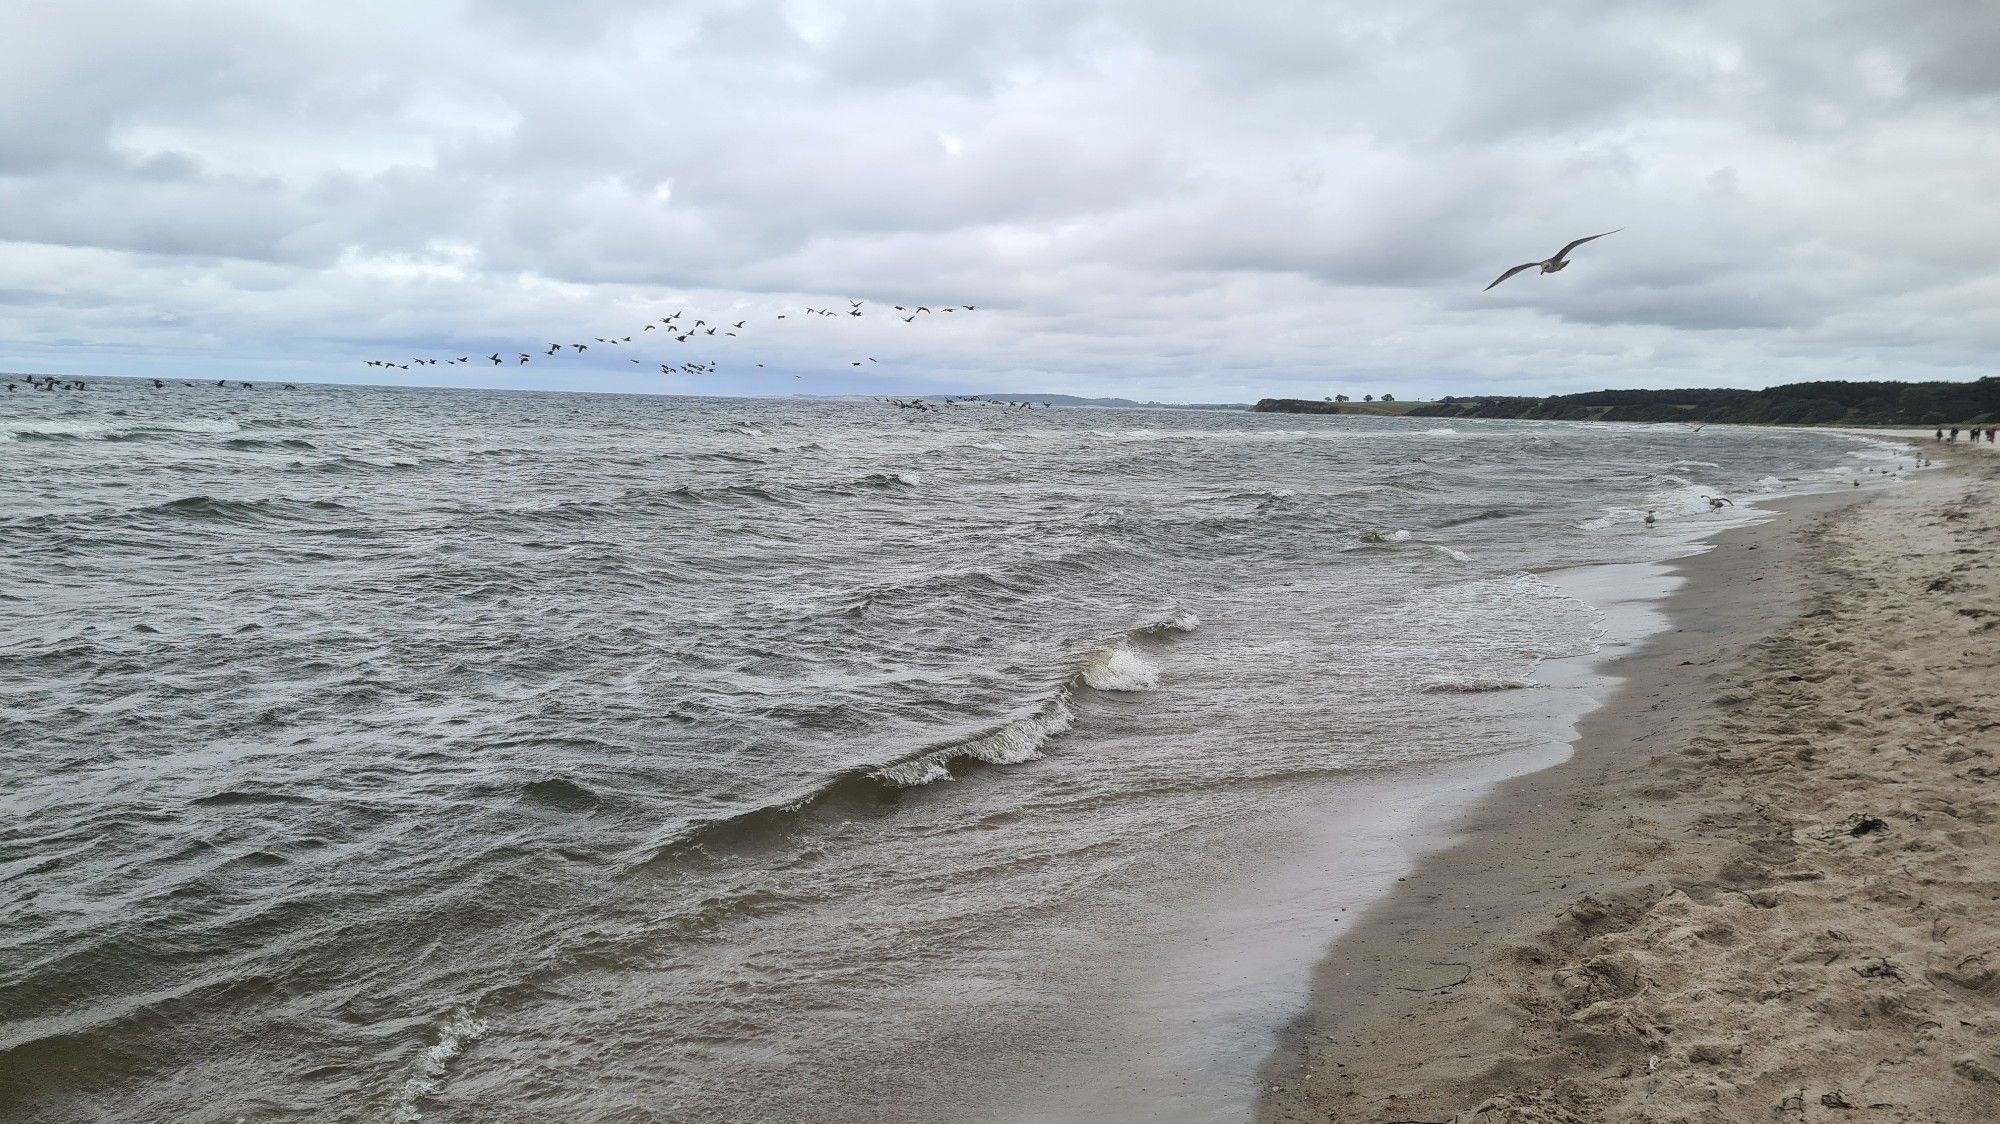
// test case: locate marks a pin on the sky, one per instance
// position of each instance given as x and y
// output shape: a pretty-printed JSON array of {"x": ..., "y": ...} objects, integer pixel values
[{"x": 1156, "y": 199}]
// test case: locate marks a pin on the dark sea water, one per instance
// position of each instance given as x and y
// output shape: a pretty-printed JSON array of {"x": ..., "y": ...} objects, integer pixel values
[{"x": 384, "y": 755}]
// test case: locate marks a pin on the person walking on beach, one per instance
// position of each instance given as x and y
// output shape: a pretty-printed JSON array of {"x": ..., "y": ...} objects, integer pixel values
[
  {"x": 1940, "y": 433},
  {"x": 1954, "y": 435},
  {"x": 1990, "y": 431}
]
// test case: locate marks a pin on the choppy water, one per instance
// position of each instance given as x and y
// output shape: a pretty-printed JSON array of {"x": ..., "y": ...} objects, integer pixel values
[{"x": 371, "y": 754}]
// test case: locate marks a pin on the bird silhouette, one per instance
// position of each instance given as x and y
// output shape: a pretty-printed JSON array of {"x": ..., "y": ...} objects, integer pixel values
[{"x": 1553, "y": 265}]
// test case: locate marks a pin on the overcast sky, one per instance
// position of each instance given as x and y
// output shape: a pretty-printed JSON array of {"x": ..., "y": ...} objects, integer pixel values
[{"x": 1157, "y": 198}]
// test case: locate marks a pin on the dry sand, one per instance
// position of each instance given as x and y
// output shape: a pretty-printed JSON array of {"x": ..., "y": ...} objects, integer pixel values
[{"x": 1767, "y": 886}]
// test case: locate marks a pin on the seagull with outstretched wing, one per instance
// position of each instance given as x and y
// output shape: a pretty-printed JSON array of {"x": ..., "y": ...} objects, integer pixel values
[{"x": 1553, "y": 265}]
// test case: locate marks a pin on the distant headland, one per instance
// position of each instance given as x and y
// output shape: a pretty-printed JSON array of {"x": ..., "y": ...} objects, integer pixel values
[{"x": 1801, "y": 403}]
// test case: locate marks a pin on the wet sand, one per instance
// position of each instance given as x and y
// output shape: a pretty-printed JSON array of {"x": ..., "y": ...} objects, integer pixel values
[{"x": 1765, "y": 887}]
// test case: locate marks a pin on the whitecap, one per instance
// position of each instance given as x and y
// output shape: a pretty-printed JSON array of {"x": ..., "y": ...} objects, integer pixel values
[
  {"x": 1477, "y": 685},
  {"x": 1017, "y": 741},
  {"x": 1180, "y": 620},
  {"x": 1120, "y": 669},
  {"x": 458, "y": 1030}
]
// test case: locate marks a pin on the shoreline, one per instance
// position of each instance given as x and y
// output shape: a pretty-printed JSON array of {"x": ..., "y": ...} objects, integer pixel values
[{"x": 1487, "y": 988}]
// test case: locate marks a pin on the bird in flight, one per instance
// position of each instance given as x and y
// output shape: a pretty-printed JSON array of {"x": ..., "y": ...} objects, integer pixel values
[{"x": 1554, "y": 264}]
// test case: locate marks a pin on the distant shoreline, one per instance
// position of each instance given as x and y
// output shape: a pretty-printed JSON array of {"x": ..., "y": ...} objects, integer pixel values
[{"x": 1807, "y": 403}]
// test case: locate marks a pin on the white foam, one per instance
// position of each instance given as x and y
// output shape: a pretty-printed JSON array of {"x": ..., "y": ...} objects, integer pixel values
[
  {"x": 1018, "y": 741},
  {"x": 1477, "y": 685},
  {"x": 1121, "y": 669},
  {"x": 1180, "y": 620},
  {"x": 1454, "y": 555},
  {"x": 458, "y": 1030}
]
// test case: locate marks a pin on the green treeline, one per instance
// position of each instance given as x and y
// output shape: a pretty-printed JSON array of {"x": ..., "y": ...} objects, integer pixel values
[{"x": 1799, "y": 403}]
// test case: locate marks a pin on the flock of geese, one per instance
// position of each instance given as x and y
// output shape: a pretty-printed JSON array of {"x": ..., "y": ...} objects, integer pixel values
[
  {"x": 679, "y": 328},
  {"x": 699, "y": 330},
  {"x": 49, "y": 382},
  {"x": 922, "y": 405}
]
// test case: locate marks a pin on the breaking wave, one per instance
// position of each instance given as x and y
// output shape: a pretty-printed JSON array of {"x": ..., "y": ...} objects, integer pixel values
[
  {"x": 1477, "y": 686},
  {"x": 1120, "y": 669},
  {"x": 458, "y": 1030}
]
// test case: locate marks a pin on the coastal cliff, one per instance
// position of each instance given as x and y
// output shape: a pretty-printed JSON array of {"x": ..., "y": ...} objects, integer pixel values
[
  {"x": 1309, "y": 406},
  {"x": 1294, "y": 406}
]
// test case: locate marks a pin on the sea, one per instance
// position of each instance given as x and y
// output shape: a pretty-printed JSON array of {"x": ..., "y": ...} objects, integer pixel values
[{"x": 387, "y": 754}]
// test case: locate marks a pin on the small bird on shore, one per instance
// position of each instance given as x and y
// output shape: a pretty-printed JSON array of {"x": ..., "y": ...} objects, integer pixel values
[
  {"x": 1715, "y": 503},
  {"x": 1649, "y": 517},
  {"x": 1553, "y": 265}
]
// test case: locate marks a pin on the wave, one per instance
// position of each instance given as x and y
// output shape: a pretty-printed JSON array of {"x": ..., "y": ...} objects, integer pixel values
[
  {"x": 234, "y": 797},
  {"x": 1111, "y": 666},
  {"x": 688, "y": 492},
  {"x": 201, "y": 508},
  {"x": 341, "y": 462},
  {"x": 559, "y": 793},
  {"x": 251, "y": 444},
  {"x": 458, "y": 1030},
  {"x": 634, "y": 500},
  {"x": 888, "y": 480},
  {"x": 864, "y": 789},
  {"x": 61, "y": 429},
  {"x": 974, "y": 582},
  {"x": 1489, "y": 513},
  {"x": 231, "y": 511},
  {"x": 1378, "y": 538},
  {"x": 1477, "y": 686},
  {"x": 1119, "y": 668},
  {"x": 1010, "y": 744},
  {"x": 1180, "y": 620}
]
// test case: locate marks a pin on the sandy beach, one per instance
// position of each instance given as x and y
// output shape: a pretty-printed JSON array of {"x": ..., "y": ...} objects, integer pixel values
[{"x": 1762, "y": 889}]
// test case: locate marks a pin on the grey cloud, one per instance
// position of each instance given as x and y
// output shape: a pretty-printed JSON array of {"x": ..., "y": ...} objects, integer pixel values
[{"x": 1229, "y": 200}]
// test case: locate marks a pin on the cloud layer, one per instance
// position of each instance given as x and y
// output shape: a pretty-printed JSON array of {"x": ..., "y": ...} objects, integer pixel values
[{"x": 1161, "y": 198}]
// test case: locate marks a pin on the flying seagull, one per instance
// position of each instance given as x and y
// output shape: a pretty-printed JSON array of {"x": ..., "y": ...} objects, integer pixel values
[{"x": 1554, "y": 264}]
